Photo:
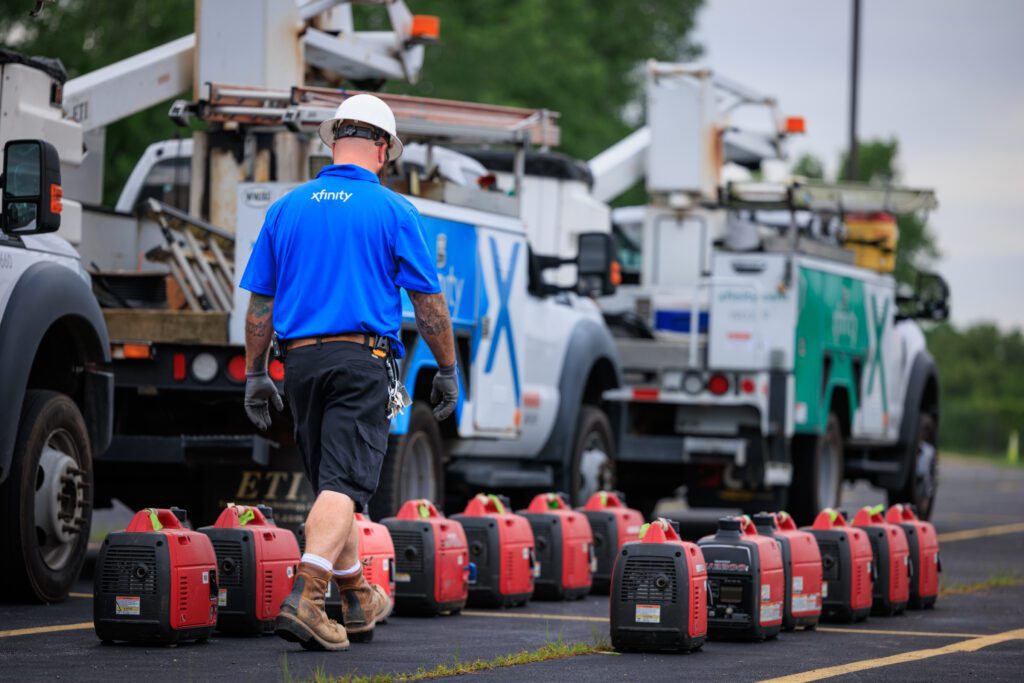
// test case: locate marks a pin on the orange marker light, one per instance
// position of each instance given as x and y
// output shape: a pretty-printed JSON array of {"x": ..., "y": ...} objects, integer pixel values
[
  {"x": 795, "y": 125},
  {"x": 426, "y": 28},
  {"x": 137, "y": 351},
  {"x": 615, "y": 274},
  {"x": 56, "y": 195}
]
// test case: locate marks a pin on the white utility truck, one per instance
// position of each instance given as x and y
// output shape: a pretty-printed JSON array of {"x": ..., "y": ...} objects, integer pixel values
[
  {"x": 767, "y": 354},
  {"x": 140, "y": 399}
]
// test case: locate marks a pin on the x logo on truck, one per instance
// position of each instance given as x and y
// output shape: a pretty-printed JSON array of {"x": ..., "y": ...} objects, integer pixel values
[
  {"x": 876, "y": 360},
  {"x": 504, "y": 323}
]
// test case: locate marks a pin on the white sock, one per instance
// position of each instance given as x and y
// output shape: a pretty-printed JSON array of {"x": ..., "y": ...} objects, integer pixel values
[
  {"x": 317, "y": 561},
  {"x": 350, "y": 571}
]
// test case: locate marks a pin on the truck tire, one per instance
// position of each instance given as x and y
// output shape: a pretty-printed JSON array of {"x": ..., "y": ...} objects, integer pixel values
[
  {"x": 46, "y": 502},
  {"x": 414, "y": 468},
  {"x": 593, "y": 456},
  {"x": 923, "y": 477},
  {"x": 817, "y": 472}
]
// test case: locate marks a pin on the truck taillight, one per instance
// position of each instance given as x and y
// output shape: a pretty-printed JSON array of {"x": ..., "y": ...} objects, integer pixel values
[
  {"x": 236, "y": 369},
  {"x": 718, "y": 384},
  {"x": 276, "y": 370},
  {"x": 178, "y": 367},
  {"x": 645, "y": 394}
]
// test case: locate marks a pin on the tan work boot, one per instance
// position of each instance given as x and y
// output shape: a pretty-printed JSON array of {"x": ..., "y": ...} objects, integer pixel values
[
  {"x": 303, "y": 619},
  {"x": 362, "y": 605}
]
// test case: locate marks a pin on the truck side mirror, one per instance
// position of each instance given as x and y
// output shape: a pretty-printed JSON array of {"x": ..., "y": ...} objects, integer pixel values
[
  {"x": 597, "y": 271},
  {"x": 929, "y": 299},
  {"x": 932, "y": 297},
  {"x": 31, "y": 188}
]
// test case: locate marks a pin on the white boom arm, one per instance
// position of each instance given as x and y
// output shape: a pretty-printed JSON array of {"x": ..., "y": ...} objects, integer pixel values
[{"x": 109, "y": 94}]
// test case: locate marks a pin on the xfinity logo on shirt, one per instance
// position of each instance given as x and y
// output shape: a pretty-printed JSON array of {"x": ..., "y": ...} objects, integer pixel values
[{"x": 324, "y": 195}]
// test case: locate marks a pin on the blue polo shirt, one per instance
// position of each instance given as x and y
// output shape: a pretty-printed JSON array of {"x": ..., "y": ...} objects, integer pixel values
[{"x": 334, "y": 254}]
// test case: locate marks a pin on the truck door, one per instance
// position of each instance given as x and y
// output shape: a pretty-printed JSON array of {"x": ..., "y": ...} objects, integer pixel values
[{"x": 496, "y": 375}]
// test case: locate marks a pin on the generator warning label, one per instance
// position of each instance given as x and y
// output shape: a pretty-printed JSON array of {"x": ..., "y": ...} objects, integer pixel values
[
  {"x": 206, "y": 578},
  {"x": 771, "y": 611},
  {"x": 402, "y": 577},
  {"x": 222, "y": 597},
  {"x": 127, "y": 605},
  {"x": 806, "y": 603},
  {"x": 766, "y": 592},
  {"x": 648, "y": 614},
  {"x": 824, "y": 589},
  {"x": 798, "y": 584}
]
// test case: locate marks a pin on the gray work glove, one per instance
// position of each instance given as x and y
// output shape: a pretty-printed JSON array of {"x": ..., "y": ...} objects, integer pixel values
[
  {"x": 259, "y": 392},
  {"x": 444, "y": 393}
]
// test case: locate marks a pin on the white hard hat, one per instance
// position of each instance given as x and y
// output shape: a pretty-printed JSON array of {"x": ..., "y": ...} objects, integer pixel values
[{"x": 364, "y": 109}]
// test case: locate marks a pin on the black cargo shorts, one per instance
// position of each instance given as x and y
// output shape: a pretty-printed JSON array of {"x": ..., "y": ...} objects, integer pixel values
[{"x": 338, "y": 394}]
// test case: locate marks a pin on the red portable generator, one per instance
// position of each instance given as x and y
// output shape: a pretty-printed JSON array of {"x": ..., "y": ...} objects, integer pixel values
[
  {"x": 432, "y": 565},
  {"x": 659, "y": 593},
  {"x": 376, "y": 554},
  {"x": 891, "y": 591},
  {"x": 156, "y": 581},
  {"x": 565, "y": 548},
  {"x": 848, "y": 568},
  {"x": 801, "y": 567},
  {"x": 924, "y": 555},
  {"x": 501, "y": 548},
  {"x": 613, "y": 525},
  {"x": 746, "y": 579},
  {"x": 256, "y": 564}
]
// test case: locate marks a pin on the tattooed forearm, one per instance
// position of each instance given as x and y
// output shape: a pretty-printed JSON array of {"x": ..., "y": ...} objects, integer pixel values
[
  {"x": 434, "y": 325},
  {"x": 258, "y": 330}
]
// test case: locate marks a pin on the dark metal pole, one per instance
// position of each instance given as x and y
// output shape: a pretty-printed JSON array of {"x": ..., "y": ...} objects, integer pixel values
[{"x": 851, "y": 159}]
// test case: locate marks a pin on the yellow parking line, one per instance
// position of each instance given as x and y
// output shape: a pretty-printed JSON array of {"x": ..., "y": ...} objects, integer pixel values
[
  {"x": 883, "y": 632},
  {"x": 80, "y": 595},
  {"x": 826, "y": 629},
  {"x": 968, "y": 534},
  {"x": 972, "y": 645},
  {"x": 45, "y": 629}
]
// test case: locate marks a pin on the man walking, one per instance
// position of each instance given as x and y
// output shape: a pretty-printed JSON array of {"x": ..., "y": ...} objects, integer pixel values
[{"x": 326, "y": 273}]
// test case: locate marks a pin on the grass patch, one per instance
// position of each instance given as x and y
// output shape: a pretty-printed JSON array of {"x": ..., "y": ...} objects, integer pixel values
[
  {"x": 557, "y": 649},
  {"x": 1007, "y": 580},
  {"x": 969, "y": 457}
]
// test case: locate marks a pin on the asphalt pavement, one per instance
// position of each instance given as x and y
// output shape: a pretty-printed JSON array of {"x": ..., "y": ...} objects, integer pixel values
[{"x": 976, "y": 629}]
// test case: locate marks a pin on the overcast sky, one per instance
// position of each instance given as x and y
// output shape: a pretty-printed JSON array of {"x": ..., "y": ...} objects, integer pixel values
[{"x": 946, "y": 77}]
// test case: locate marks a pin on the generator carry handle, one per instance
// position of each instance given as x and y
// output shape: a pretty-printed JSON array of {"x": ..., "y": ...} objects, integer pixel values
[
  {"x": 602, "y": 500},
  {"x": 418, "y": 508},
  {"x": 154, "y": 519},
  {"x": 239, "y": 516},
  {"x": 659, "y": 531},
  {"x": 747, "y": 526},
  {"x": 867, "y": 516},
  {"x": 546, "y": 502},
  {"x": 900, "y": 513},
  {"x": 784, "y": 521},
  {"x": 829, "y": 519},
  {"x": 485, "y": 504}
]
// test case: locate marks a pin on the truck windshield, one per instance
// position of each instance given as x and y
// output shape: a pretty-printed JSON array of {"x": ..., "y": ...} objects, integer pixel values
[
  {"x": 167, "y": 182},
  {"x": 628, "y": 244}
]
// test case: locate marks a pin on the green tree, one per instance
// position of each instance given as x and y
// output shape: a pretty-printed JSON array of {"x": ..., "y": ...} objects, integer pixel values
[
  {"x": 878, "y": 163},
  {"x": 87, "y": 35},
  {"x": 581, "y": 58},
  {"x": 809, "y": 166}
]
